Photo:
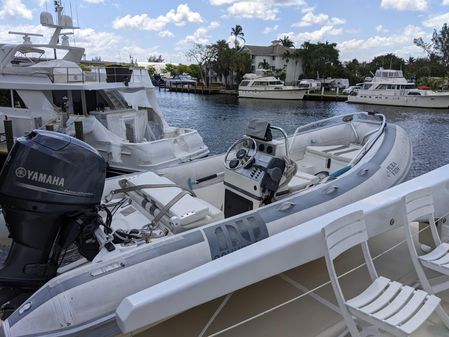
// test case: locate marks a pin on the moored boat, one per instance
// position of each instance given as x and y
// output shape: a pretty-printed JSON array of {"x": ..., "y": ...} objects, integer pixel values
[
  {"x": 260, "y": 85},
  {"x": 117, "y": 105},
  {"x": 389, "y": 87},
  {"x": 152, "y": 227}
]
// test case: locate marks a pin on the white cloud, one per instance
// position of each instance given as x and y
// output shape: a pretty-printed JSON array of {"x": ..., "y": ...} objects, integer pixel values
[
  {"x": 381, "y": 29},
  {"x": 200, "y": 35},
  {"x": 445, "y": 2},
  {"x": 166, "y": 33},
  {"x": 268, "y": 30},
  {"x": 405, "y": 5},
  {"x": 436, "y": 21},
  {"x": 401, "y": 41},
  {"x": 314, "y": 36},
  {"x": 310, "y": 19},
  {"x": 96, "y": 42},
  {"x": 273, "y": 2},
  {"x": 5, "y": 37},
  {"x": 256, "y": 9},
  {"x": 12, "y": 9},
  {"x": 252, "y": 10},
  {"x": 180, "y": 17}
]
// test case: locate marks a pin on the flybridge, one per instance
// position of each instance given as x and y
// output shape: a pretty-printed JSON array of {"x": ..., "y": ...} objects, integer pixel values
[{"x": 58, "y": 41}]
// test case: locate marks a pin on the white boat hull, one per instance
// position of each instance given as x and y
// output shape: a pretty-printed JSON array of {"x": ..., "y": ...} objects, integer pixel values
[
  {"x": 437, "y": 101},
  {"x": 71, "y": 304},
  {"x": 288, "y": 94}
]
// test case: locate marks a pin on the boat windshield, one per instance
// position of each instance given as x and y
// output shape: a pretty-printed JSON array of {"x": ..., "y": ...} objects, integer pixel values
[{"x": 244, "y": 83}]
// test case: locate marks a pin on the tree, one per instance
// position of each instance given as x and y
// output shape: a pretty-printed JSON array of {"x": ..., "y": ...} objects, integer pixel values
[
  {"x": 204, "y": 56},
  {"x": 389, "y": 61},
  {"x": 263, "y": 65},
  {"x": 171, "y": 69},
  {"x": 286, "y": 42},
  {"x": 320, "y": 60},
  {"x": 241, "y": 64},
  {"x": 438, "y": 48},
  {"x": 151, "y": 70},
  {"x": 223, "y": 62},
  {"x": 237, "y": 32},
  {"x": 154, "y": 58}
]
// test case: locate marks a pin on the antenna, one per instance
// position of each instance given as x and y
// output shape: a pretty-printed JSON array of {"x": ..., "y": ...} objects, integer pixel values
[{"x": 26, "y": 36}]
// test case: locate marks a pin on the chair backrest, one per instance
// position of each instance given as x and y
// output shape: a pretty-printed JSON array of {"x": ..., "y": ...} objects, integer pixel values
[
  {"x": 418, "y": 205},
  {"x": 339, "y": 236},
  {"x": 344, "y": 233}
]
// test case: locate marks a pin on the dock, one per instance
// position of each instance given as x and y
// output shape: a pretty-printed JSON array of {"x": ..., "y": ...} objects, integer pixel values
[
  {"x": 325, "y": 97},
  {"x": 214, "y": 90},
  {"x": 195, "y": 89}
]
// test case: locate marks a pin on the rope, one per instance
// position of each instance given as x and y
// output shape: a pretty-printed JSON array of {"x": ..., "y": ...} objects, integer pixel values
[
  {"x": 167, "y": 207},
  {"x": 310, "y": 291}
]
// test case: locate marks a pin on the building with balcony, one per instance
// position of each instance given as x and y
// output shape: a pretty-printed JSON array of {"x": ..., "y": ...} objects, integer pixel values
[{"x": 275, "y": 57}]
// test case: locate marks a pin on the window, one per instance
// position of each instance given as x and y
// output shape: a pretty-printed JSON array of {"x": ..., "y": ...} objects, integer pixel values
[
  {"x": 18, "y": 102},
  {"x": 273, "y": 68},
  {"x": 5, "y": 98},
  {"x": 244, "y": 83},
  {"x": 273, "y": 58}
]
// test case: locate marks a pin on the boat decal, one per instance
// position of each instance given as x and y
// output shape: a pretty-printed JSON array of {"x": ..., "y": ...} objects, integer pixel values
[
  {"x": 47, "y": 292},
  {"x": 229, "y": 236}
]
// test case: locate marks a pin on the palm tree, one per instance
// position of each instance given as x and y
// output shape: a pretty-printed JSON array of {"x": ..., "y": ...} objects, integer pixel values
[
  {"x": 237, "y": 32},
  {"x": 286, "y": 42},
  {"x": 263, "y": 65}
]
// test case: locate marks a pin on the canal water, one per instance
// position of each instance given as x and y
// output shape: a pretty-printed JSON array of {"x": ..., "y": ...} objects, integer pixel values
[{"x": 222, "y": 119}]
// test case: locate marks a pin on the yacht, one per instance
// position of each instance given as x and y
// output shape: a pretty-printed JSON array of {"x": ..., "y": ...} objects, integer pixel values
[
  {"x": 117, "y": 105},
  {"x": 260, "y": 85},
  {"x": 139, "y": 235},
  {"x": 389, "y": 87}
]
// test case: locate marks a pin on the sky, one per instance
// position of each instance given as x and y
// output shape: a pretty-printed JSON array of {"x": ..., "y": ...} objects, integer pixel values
[{"x": 116, "y": 30}]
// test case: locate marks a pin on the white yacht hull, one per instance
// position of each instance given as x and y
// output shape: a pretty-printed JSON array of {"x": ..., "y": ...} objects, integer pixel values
[
  {"x": 288, "y": 94},
  {"x": 439, "y": 101},
  {"x": 73, "y": 304}
]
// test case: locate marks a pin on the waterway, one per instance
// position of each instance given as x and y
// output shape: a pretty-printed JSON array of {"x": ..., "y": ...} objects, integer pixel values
[{"x": 222, "y": 119}]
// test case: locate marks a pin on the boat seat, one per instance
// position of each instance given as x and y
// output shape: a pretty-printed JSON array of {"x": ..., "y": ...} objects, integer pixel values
[
  {"x": 188, "y": 212},
  {"x": 302, "y": 180},
  {"x": 342, "y": 153}
]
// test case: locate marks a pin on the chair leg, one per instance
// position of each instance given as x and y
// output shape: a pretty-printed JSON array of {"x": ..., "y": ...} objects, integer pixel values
[
  {"x": 443, "y": 315},
  {"x": 352, "y": 327}
]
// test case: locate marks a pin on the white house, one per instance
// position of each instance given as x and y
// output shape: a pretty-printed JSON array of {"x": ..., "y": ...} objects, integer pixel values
[{"x": 274, "y": 55}]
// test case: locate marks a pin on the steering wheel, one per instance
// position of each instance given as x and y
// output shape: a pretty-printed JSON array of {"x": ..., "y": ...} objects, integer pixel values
[{"x": 241, "y": 153}]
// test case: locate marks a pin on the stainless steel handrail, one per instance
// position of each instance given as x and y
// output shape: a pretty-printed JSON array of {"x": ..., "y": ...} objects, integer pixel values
[{"x": 339, "y": 117}]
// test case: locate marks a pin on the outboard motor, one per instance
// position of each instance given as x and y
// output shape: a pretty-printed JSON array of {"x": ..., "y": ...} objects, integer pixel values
[{"x": 50, "y": 189}]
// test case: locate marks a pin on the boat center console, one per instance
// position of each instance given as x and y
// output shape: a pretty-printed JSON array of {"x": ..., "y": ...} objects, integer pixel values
[{"x": 254, "y": 166}]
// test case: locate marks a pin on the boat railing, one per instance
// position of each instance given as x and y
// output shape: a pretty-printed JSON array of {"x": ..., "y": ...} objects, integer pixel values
[
  {"x": 344, "y": 118},
  {"x": 98, "y": 75}
]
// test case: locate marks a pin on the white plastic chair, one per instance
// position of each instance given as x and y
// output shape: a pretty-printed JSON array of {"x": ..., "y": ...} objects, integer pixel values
[
  {"x": 387, "y": 305},
  {"x": 418, "y": 205}
]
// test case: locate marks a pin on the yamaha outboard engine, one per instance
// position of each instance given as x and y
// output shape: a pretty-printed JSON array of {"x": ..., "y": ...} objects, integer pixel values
[{"x": 50, "y": 190}]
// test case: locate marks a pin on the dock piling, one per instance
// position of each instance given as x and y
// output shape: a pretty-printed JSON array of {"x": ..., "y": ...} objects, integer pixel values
[
  {"x": 79, "y": 133},
  {"x": 7, "y": 123}
]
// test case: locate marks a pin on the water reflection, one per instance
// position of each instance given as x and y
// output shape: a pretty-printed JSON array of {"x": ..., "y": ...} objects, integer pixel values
[{"x": 221, "y": 119}]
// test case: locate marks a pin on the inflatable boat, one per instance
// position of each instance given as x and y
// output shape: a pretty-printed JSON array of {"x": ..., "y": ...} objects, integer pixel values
[{"x": 142, "y": 229}]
